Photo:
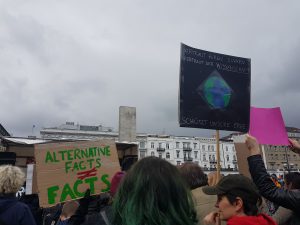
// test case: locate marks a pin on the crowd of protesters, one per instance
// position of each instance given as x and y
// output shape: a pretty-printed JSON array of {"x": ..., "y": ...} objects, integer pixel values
[{"x": 154, "y": 192}]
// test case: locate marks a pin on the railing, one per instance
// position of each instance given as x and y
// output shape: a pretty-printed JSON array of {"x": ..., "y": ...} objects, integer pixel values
[
  {"x": 187, "y": 159},
  {"x": 160, "y": 149},
  {"x": 187, "y": 148}
]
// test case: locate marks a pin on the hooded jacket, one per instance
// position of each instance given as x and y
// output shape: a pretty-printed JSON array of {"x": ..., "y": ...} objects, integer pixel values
[
  {"x": 13, "y": 212},
  {"x": 260, "y": 219}
]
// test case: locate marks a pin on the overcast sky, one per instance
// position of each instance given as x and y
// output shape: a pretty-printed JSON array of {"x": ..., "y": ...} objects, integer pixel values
[{"x": 67, "y": 60}]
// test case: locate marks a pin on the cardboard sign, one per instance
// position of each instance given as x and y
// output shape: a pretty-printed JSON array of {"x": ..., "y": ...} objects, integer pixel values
[
  {"x": 214, "y": 90},
  {"x": 66, "y": 170},
  {"x": 242, "y": 153},
  {"x": 267, "y": 125}
]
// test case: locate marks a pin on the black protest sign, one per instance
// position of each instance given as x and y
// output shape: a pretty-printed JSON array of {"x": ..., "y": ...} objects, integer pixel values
[{"x": 214, "y": 90}]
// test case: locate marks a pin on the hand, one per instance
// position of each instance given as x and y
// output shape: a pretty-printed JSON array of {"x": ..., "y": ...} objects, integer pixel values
[
  {"x": 212, "y": 219},
  {"x": 252, "y": 145},
  {"x": 295, "y": 146}
]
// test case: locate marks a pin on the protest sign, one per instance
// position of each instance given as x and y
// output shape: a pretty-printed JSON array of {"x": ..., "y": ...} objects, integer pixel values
[
  {"x": 242, "y": 153},
  {"x": 214, "y": 90},
  {"x": 267, "y": 126},
  {"x": 66, "y": 170}
]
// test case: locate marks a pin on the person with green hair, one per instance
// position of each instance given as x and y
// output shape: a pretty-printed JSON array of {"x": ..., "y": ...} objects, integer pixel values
[{"x": 153, "y": 193}]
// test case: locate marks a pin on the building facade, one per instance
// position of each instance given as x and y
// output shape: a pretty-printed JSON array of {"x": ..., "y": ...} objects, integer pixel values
[
  {"x": 279, "y": 159},
  {"x": 175, "y": 149},
  {"x": 178, "y": 149}
]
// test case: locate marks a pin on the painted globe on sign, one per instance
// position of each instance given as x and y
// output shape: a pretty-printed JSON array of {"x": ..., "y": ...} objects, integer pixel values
[{"x": 216, "y": 92}]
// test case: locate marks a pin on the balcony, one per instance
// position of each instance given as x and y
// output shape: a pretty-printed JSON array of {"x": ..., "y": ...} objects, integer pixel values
[
  {"x": 160, "y": 149},
  {"x": 188, "y": 159},
  {"x": 212, "y": 161},
  {"x": 187, "y": 148},
  {"x": 234, "y": 161}
]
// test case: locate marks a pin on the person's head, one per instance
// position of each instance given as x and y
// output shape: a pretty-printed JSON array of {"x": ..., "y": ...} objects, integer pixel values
[
  {"x": 11, "y": 179},
  {"x": 115, "y": 182},
  {"x": 153, "y": 192},
  {"x": 237, "y": 195},
  {"x": 193, "y": 175},
  {"x": 292, "y": 181},
  {"x": 68, "y": 209},
  {"x": 127, "y": 162}
]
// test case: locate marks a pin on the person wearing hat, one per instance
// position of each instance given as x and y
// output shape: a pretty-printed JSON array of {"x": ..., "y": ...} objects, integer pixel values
[{"x": 238, "y": 200}]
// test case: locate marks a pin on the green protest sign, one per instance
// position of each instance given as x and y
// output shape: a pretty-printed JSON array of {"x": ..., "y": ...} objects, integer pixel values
[{"x": 65, "y": 170}]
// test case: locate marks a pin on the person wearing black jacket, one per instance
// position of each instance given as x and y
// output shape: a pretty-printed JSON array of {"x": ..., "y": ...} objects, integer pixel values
[
  {"x": 287, "y": 198},
  {"x": 94, "y": 210},
  {"x": 12, "y": 211}
]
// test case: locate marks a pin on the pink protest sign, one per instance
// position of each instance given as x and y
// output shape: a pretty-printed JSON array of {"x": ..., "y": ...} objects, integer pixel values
[{"x": 267, "y": 125}]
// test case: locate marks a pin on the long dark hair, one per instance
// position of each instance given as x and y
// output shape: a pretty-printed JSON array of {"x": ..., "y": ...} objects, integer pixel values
[
  {"x": 153, "y": 193},
  {"x": 193, "y": 175}
]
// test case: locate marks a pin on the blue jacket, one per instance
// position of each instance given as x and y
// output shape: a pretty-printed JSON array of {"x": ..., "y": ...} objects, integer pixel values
[{"x": 13, "y": 212}]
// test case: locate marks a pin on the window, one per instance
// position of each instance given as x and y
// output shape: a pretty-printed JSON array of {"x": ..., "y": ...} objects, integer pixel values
[
  {"x": 152, "y": 144},
  {"x": 227, "y": 158},
  {"x": 208, "y": 148},
  {"x": 160, "y": 145},
  {"x": 142, "y": 154},
  {"x": 142, "y": 145},
  {"x": 168, "y": 155},
  {"x": 212, "y": 148},
  {"x": 195, "y": 145},
  {"x": 168, "y": 146},
  {"x": 226, "y": 149},
  {"x": 209, "y": 157},
  {"x": 152, "y": 153},
  {"x": 204, "y": 157},
  {"x": 234, "y": 157},
  {"x": 203, "y": 147},
  {"x": 177, "y": 144},
  {"x": 213, "y": 158},
  {"x": 185, "y": 144},
  {"x": 160, "y": 155},
  {"x": 195, "y": 153},
  {"x": 177, "y": 153}
]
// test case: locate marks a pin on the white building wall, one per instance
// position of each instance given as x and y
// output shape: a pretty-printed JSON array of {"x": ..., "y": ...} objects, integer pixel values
[{"x": 178, "y": 150}]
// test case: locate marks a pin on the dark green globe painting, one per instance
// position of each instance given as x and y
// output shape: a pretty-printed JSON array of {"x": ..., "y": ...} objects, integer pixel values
[{"x": 215, "y": 91}]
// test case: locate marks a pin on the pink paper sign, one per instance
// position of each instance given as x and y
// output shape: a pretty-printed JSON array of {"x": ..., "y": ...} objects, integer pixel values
[{"x": 267, "y": 125}]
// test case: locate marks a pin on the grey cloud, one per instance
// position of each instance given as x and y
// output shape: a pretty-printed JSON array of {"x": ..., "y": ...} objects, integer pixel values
[{"x": 72, "y": 61}]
